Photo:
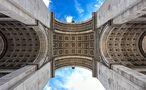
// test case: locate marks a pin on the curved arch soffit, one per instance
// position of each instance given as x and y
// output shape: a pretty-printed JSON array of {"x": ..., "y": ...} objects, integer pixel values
[
  {"x": 66, "y": 57},
  {"x": 74, "y": 66}
]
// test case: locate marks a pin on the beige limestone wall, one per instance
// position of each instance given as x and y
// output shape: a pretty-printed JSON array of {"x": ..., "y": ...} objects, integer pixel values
[
  {"x": 9, "y": 80},
  {"x": 112, "y": 8},
  {"x": 26, "y": 11},
  {"x": 35, "y": 81},
  {"x": 120, "y": 78}
]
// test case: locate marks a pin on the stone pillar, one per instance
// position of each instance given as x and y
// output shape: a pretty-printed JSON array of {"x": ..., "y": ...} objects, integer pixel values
[
  {"x": 96, "y": 44},
  {"x": 27, "y": 78},
  {"x": 51, "y": 44},
  {"x": 14, "y": 78},
  {"x": 120, "y": 77}
]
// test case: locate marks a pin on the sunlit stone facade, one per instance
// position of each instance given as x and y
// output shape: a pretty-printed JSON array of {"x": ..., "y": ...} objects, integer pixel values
[{"x": 33, "y": 44}]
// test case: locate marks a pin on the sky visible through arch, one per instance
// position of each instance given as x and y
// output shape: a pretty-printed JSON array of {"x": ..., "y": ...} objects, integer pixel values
[
  {"x": 73, "y": 79},
  {"x": 78, "y": 10},
  {"x": 78, "y": 78}
]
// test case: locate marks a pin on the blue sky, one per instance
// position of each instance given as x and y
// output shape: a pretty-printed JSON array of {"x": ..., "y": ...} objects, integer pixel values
[
  {"x": 79, "y": 78},
  {"x": 73, "y": 79},
  {"x": 79, "y": 10}
]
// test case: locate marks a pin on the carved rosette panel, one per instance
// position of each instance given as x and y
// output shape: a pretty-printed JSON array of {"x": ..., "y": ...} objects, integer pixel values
[
  {"x": 73, "y": 40},
  {"x": 124, "y": 44},
  {"x": 73, "y": 45}
]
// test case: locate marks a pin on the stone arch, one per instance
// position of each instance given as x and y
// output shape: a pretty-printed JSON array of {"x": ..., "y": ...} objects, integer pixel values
[
  {"x": 124, "y": 44},
  {"x": 20, "y": 45},
  {"x": 73, "y": 44},
  {"x": 82, "y": 61}
]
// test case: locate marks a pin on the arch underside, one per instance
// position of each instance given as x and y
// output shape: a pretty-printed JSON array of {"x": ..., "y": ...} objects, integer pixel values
[
  {"x": 74, "y": 42},
  {"x": 73, "y": 27},
  {"x": 20, "y": 45},
  {"x": 83, "y": 62},
  {"x": 124, "y": 44}
]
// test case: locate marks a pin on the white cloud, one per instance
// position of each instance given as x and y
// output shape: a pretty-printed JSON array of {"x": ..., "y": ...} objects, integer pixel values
[
  {"x": 47, "y": 87},
  {"x": 78, "y": 7},
  {"x": 78, "y": 79},
  {"x": 47, "y": 2},
  {"x": 99, "y": 3},
  {"x": 82, "y": 79},
  {"x": 69, "y": 19},
  {"x": 96, "y": 5}
]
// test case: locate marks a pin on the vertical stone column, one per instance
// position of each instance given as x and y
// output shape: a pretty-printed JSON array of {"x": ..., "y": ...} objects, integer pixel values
[
  {"x": 51, "y": 44},
  {"x": 27, "y": 78},
  {"x": 119, "y": 77},
  {"x": 14, "y": 78},
  {"x": 94, "y": 72}
]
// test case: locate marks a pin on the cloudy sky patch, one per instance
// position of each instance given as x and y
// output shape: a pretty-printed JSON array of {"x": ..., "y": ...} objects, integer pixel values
[
  {"x": 78, "y": 7},
  {"x": 74, "y": 79}
]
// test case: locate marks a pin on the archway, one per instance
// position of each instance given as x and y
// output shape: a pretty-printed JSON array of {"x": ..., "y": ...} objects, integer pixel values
[
  {"x": 78, "y": 78},
  {"x": 73, "y": 44}
]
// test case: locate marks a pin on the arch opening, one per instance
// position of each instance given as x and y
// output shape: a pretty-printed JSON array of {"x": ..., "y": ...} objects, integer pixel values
[
  {"x": 73, "y": 61},
  {"x": 78, "y": 79},
  {"x": 76, "y": 10},
  {"x": 73, "y": 44}
]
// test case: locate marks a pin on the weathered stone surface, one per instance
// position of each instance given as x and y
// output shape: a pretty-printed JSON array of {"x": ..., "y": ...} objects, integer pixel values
[
  {"x": 35, "y": 81},
  {"x": 112, "y": 8},
  {"x": 112, "y": 80},
  {"x": 13, "y": 78},
  {"x": 26, "y": 11},
  {"x": 132, "y": 75},
  {"x": 28, "y": 40},
  {"x": 132, "y": 14}
]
